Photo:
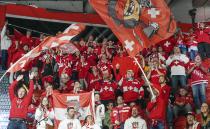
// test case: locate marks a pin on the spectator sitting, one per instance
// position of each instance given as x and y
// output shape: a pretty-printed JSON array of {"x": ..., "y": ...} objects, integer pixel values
[
  {"x": 107, "y": 121},
  {"x": 70, "y": 122},
  {"x": 191, "y": 121},
  {"x": 204, "y": 117},
  {"x": 100, "y": 110},
  {"x": 135, "y": 121},
  {"x": 89, "y": 123},
  {"x": 183, "y": 101}
]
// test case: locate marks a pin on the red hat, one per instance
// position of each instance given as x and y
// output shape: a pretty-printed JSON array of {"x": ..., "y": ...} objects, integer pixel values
[
  {"x": 190, "y": 113},
  {"x": 48, "y": 79}
]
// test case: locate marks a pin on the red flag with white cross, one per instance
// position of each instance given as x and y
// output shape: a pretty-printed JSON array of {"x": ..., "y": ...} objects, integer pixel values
[
  {"x": 48, "y": 43},
  {"x": 137, "y": 24}
]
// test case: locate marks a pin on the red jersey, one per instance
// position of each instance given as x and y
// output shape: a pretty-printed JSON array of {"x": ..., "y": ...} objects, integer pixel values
[
  {"x": 19, "y": 107},
  {"x": 157, "y": 109},
  {"x": 92, "y": 59},
  {"x": 103, "y": 66},
  {"x": 26, "y": 41},
  {"x": 132, "y": 90},
  {"x": 119, "y": 113},
  {"x": 198, "y": 77},
  {"x": 184, "y": 99},
  {"x": 83, "y": 69},
  {"x": 202, "y": 36},
  {"x": 93, "y": 82},
  {"x": 107, "y": 91}
]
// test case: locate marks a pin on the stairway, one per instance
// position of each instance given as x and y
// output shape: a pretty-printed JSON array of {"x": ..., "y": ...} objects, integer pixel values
[{"x": 4, "y": 101}]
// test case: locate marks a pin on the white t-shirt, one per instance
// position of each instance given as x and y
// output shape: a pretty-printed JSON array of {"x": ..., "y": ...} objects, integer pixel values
[
  {"x": 95, "y": 126},
  {"x": 70, "y": 124},
  {"x": 135, "y": 123}
]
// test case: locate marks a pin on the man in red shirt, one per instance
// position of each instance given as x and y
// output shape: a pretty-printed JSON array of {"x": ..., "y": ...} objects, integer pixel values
[
  {"x": 26, "y": 40},
  {"x": 132, "y": 88},
  {"x": 203, "y": 38},
  {"x": 20, "y": 103}
]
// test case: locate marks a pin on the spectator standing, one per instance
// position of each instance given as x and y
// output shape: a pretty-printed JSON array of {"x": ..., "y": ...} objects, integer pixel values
[
  {"x": 199, "y": 81},
  {"x": 44, "y": 114},
  {"x": 157, "y": 109},
  {"x": 177, "y": 63},
  {"x": 20, "y": 103},
  {"x": 5, "y": 44},
  {"x": 120, "y": 114},
  {"x": 203, "y": 40},
  {"x": 132, "y": 88}
]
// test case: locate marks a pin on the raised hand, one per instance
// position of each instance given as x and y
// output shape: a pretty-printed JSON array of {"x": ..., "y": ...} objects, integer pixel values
[
  {"x": 20, "y": 77},
  {"x": 31, "y": 75}
]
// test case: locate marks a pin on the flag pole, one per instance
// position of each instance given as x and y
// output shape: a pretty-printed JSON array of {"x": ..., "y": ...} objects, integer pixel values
[{"x": 153, "y": 95}]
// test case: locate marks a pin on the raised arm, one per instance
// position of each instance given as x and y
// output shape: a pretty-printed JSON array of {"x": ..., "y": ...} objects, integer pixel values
[
  {"x": 31, "y": 87},
  {"x": 3, "y": 31},
  {"x": 12, "y": 87}
]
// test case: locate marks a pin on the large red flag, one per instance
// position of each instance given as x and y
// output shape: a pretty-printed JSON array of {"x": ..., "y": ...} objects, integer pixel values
[
  {"x": 137, "y": 23},
  {"x": 83, "y": 103},
  {"x": 49, "y": 42}
]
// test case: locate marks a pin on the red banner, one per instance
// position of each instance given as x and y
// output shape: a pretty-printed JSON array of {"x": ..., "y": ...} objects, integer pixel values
[
  {"x": 83, "y": 103},
  {"x": 136, "y": 24}
]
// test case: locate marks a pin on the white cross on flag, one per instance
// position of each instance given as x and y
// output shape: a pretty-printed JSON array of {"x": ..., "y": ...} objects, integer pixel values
[
  {"x": 153, "y": 12},
  {"x": 49, "y": 42}
]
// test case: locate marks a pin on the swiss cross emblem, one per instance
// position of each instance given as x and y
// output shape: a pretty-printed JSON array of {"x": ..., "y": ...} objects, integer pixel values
[
  {"x": 167, "y": 43},
  {"x": 153, "y": 12},
  {"x": 106, "y": 88},
  {"x": 130, "y": 88},
  {"x": 176, "y": 62},
  {"x": 129, "y": 45}
]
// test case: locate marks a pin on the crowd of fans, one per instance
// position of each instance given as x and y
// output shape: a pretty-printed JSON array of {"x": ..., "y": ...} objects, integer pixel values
[{"x": 174, "y": 67}]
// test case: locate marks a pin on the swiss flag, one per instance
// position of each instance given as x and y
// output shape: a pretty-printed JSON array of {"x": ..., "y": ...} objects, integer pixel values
[
  {"x": 126, "y": 63},
  {"x": 49, "y": 42},
  {"x": 137, "y": 25}
]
